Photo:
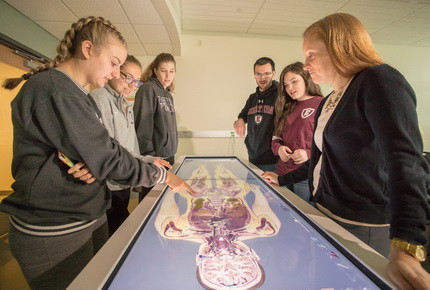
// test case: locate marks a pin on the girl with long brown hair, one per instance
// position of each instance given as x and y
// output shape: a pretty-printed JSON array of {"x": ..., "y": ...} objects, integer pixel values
[
  {"x": 295, "y": 110},
  {"x": 57, "y": 222},
  {"x": 154, "y": 111}
]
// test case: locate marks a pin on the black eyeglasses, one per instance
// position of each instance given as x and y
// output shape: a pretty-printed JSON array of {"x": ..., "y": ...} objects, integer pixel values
[
  {"x": 265, "y": 75},
  {"x": 130, "y": 80}
]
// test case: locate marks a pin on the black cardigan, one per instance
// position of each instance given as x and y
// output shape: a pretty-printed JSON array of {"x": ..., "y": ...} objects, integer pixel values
[{"x": 372, "y": 169}]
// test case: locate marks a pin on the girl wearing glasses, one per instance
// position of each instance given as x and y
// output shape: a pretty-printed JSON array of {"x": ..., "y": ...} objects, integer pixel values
[
  {"x": 58, "y": 214},
  {"x": 117, "y": 115},
  {"x": 154, "y": 111}
]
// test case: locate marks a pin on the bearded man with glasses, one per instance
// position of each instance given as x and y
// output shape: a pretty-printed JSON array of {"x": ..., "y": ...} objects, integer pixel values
[{"x": 259, "y": 115}]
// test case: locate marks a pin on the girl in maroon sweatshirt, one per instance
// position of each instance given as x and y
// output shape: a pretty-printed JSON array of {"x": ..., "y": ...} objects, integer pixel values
[{"x": 295, "y": 109}]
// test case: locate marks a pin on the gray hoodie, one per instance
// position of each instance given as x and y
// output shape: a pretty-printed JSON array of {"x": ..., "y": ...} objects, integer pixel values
[
  {"x": 118, "y": 118},
  {"x": 155, "y": 117},
  {"x": 50, "y": 113}
]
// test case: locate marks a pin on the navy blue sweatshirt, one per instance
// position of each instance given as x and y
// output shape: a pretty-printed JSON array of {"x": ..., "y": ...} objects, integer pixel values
[{"x": 259, "y": 114}]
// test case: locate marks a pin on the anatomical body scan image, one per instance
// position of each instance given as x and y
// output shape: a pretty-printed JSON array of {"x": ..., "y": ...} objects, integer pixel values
[
  {"x": 219, "y": 218},
  {"x": 233, "y": 232}
]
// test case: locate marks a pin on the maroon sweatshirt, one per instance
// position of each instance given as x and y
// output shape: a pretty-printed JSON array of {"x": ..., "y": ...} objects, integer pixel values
[{"x": 298, "y": 131}]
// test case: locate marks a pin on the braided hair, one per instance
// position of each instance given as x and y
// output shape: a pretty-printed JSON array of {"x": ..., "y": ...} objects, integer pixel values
[{"x": 94, "y": 29}]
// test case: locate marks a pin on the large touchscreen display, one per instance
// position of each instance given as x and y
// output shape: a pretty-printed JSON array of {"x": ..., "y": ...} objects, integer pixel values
[{"x": 234, "y": 232}]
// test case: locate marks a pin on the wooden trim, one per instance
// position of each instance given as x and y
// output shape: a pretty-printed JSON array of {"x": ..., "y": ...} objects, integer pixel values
[{"x": 8, "y": 56}]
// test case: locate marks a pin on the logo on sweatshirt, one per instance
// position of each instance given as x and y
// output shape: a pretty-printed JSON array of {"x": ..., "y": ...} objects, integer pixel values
[
  {"x": 307, "y": 112},
  {"x": 258, "y": 119},
  {"x": 166, "y": 104}
]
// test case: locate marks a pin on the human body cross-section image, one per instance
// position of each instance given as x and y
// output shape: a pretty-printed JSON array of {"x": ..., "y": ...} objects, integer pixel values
[{"x": 234, "y": 232}]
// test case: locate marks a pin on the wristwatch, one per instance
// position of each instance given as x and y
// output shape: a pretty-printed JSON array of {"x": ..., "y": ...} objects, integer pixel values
[{"x": 416, "y": 251}]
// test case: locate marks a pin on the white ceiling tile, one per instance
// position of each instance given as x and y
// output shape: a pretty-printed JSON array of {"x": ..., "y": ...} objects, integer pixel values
[
  {"x": 215, "y": 25},
  {"x": 422, "y": 42},
  {"x": 304, "y": 5},
  {"x": 108, "y": 9},
  {"x": 152, "y": 34},
  {"x": 276, "y": 32},
  {"x": 404, "y": 22},
  {"x": 398, "y": 35},
  {"x": 372, "y": 22},
  {"x": 141, "y": 12},
  {"x": 426, "y": 8},
  {"x": 294, "y": 29},
  {"x": 156, "y": 49},
  {"x": 307, "y": 2},
  {"x": 56, "y": 28},
  {"x": 361, "y": 12},
  {"x": 127, "y": 32},
  {"x": 46, "y": 10},
  {"x": 291, "y": 26},
  {"x": 389, "y": 41},
  {"x": 222, "y": 3},
  {"x": 217, "y": 19},
  {"x": 135, "y": 49},
  {"x": 417, "y": 19},
  {"x": 230, "y": 12},
  {"x": 390, "y": 5},
  {"x": 216, "y": 28}
]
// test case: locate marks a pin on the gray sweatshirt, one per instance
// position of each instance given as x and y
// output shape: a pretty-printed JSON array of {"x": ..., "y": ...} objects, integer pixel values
[
  {"x": 50, "y": 113},
  {"x": 155, "y": 117},
  {"x": 118, "y": 118}
]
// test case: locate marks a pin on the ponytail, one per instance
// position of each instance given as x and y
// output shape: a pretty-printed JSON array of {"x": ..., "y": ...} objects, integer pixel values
[{"x": 10, "y": 84}]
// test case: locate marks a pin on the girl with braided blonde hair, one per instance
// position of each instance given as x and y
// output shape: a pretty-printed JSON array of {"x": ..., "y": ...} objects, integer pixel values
[
  {"x": 57, "y": 213},
  {"x": 91, "y": 29}
]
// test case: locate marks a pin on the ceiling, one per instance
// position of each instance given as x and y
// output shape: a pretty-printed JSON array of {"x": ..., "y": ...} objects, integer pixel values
[{"x": 154, "y": 26}]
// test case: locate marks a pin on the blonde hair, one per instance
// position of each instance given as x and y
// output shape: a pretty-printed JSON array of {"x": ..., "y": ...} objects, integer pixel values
[
  {"x": 94, "y": 29},
  {"x": 348, "y": 43},
  {"x": 131, "y": 59},
  {"x": 150, "y": 70}
]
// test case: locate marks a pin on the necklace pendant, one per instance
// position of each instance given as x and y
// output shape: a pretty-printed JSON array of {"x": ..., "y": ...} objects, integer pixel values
[{"x": 333, "y": 100}]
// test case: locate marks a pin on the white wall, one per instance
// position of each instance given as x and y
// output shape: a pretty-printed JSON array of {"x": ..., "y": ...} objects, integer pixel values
[{"x": 215, "y": 77}]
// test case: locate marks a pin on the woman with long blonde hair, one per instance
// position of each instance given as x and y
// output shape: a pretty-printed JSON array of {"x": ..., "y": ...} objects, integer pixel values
[
  {"x": 57, "y": 213},
  {"x": 367, "y": 171}
]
